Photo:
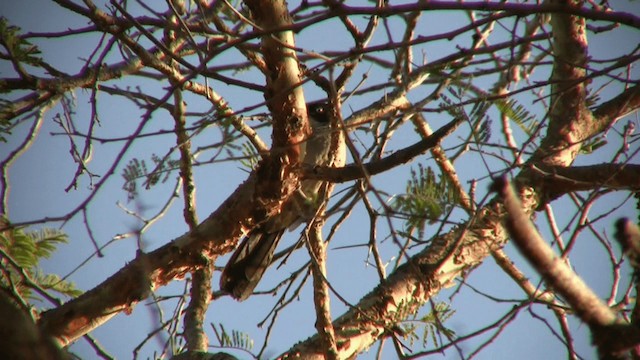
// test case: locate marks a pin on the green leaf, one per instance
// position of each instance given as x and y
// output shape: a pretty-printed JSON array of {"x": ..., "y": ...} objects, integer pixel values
[
  {"x": 518, "y": 114},
  {"x": 137, "y": 169},
  {"x": 251, "y": 156},
  {"x": 55, "y": 283},
  {"x": 235, "y": 339},
  {"x": 46, "y": 241},
  {"x": 431, "y": 324},
  {"x": 426, "y": 199},
  {"x": 592, "y": 145},
  {"x": 26, "y": 249},
  {"x": 20, "y": 49}
]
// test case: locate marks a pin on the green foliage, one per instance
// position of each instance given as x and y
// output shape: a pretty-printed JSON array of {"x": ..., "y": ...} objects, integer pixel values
[
  {"x": 137, "y": 169},
  {"x": 592, "y": 145},
  {"x": 54, "y": 282},
  {"x": 20, "y": 49},
  {"x": 478, "y": 119},
  {"x": 451, "y": 106},
  {"x": 236, "y": 339},
  {"x": 426, "y": 199},
  {"x": 26, "y": 249},
  {"x": 518, "y": 114},
  {"x": 251, "y": 156},
  {"x": 432, "y": 325},
  {"x": 478, "y": 115},
  {"x": 6, "y": 107},
  {"x": 481, "y": 122}
]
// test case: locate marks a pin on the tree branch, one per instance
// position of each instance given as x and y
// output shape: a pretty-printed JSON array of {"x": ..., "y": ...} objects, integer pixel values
[
  {"x": 568, "y": 93},
  {"x": 621, "y": 105},
  {"x": 612, "y": 336},
  {"x": 134, "y": 282},
  {"x": 354, "y": 171},
  {"x": 558, "y": 180}
]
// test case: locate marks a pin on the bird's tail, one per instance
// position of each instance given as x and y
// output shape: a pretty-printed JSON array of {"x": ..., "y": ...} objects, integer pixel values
[{"x": 249, "y": 262}]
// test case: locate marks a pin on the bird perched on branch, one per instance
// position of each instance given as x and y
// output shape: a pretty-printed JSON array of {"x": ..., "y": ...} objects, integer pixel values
[{"x": 255, "y": 253}]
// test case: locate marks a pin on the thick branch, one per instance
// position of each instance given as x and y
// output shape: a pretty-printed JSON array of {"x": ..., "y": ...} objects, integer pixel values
[
  {"x": 318, "y": 252},
  {"x": 623, "y": 104},
  {"x": 284, "y": 95},
  {"x": 558, "y": 180},
  {"x": 613, "y": 336},
  {"x": 251, "y": 203},
  {"x": 195, "y": 314},
  {"x": 554, "y": 270},
  {"x": 569, "y": 117},
  {"x": 147, "y": 272},
  {"x": 410, "y": 286},
  {"x": 420, "y": 278}
]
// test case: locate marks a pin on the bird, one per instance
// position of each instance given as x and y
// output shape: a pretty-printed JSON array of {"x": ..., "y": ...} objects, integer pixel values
[{"x": 253, "y": 256}]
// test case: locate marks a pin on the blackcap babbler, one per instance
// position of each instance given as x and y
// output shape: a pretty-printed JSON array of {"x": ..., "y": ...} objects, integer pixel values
[{"x": 255, "y": 253}]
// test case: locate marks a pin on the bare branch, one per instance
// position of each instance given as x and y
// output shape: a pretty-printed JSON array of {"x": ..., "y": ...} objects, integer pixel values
[
  {"x": 559, "y": 180},
  {"x": 352, "y": 172},
  {"x": 611, "y": 335}
]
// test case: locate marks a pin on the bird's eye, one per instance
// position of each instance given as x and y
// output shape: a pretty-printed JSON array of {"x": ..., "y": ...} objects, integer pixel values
[{"x": 319, "y": 112}]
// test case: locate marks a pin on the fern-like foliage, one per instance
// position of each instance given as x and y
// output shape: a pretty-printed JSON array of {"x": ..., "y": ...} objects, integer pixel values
[
  {"x": 591, "y": 145},
  {"x": 26, "y": 249},
  {"x": 518, "y": 114},
  {"x": 137, "y": 170},
  {"x": 477, "y": 117},
  {"x": 426, "y": 199},
  {"x": 6, "y": 108},
  {"x": 236, "y": 339},
  {"x": 251, "y": 156},
  {"x": 432, "y": 326},
  {"x": 481, "y": 122},
  {"x": 21, "y": 51}
]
